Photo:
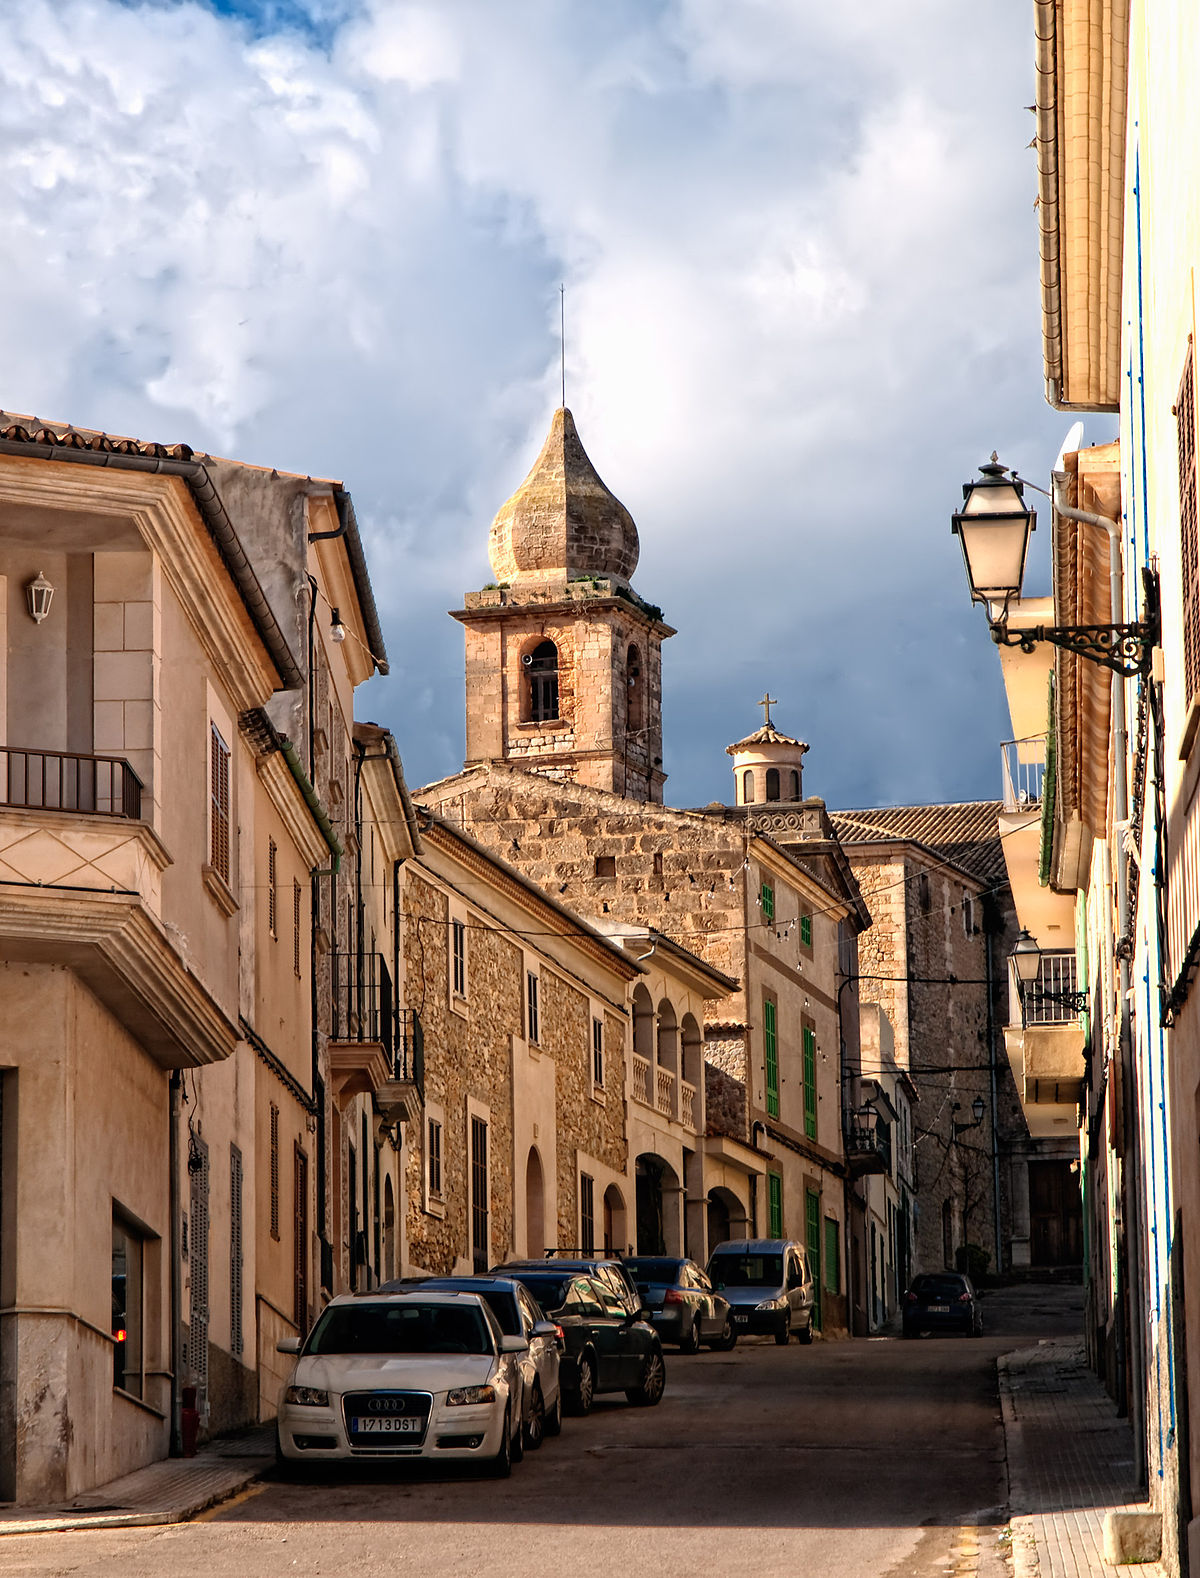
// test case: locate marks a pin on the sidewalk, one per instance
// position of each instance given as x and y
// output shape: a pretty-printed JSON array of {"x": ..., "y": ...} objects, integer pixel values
[
  {"x": 166, "y": 1492},
  {"x": 1070, "y": 1460}
]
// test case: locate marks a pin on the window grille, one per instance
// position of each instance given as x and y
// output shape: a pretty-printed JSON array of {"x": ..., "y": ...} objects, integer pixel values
[
  {"x": 542, "y": 670},
  {"x": 479, "y": 1194},
  {"x": 434, "y": 1158},
  {"x": 532, "y": 1026},
  {"x": 274, "y": 1172},
  {"x": 458, "y": 953}
]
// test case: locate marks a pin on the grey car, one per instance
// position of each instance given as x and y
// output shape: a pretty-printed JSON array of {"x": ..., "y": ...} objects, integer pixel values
[
  {"x": 683, "y": 1304},
  {"x": 769, "y": 1285}
]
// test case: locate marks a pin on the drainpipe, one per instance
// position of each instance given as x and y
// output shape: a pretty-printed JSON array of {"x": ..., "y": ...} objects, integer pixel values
[
  {"x": 990, "y": 972},
  {"x": 175, "y": 1250}
]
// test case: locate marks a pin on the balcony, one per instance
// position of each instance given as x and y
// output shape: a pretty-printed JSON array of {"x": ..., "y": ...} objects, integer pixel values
[
  {"x": 1023, "y": 767},
  {"x": 641, "y": 1080},
  {"x": 687, "y": 1104},
  {"x": 1047, "y": 1043},
  {"x": 374, "y": 1048},
  {"x": 868, "y": 1143},
  {"x": 664, "y": 1091},
  {"x": 1043, "y": 1003}
]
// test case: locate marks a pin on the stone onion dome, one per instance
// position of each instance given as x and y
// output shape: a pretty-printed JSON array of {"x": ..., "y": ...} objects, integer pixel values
[
  {"x": 562, "y": 522},
  {"x": 767, "y": 766}
]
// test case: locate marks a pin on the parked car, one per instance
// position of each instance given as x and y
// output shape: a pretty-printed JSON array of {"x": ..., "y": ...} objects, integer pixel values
[
  {"x": 682, "y": 1301},
  {"x": 608, "y": 1348},
  {"x": 769, "y": 1285},
  {"x": 606, "y": 1270},
  {"x": 402, "y": 1375},
  {"x": 942, "y": 1301},
  {"x": 518, "y": 1315}
]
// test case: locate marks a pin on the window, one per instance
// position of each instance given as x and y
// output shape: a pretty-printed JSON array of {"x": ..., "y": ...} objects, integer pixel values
[
  {"x": 810, "y": 1082},
  {"x": 833, "y": 1256},
  {"x": 458, "y": 958},
  {"x": 541, "y": 670},
  {"x": 634, "y": 690},
  {"x": 606, "y": 865},
  {"x": 219, "y": 805},
  {"x": 587, "y": 1213},
  {"x": 127, "y": 1326},
  {"x": 236, "y": 1339},
  {"x": 300, "y": 1239},
  {"x": 1185, "y": 424},
  {"x": 772, "y": 783},
  {"x": 297, "y": 917},
  {"x": 795, "y": 784},
  {"x": 433, "y": 1158},
  {"x": 771, "y": 1056},
  {"x": 274, "y": 1172},
  {"x": 747, "y": 787},
  {"x": 598, "y": 1053},
  {"x": 767, "y": 901},
  {"x": 774, "y": 1205},
  {"x": 532, "y": 1027},
  {"x": 806, "y": 931},
  {"x": 923, "y": 892},
  {"x": 272, "y": 889},
  {"x": 479, "y": 1194}
]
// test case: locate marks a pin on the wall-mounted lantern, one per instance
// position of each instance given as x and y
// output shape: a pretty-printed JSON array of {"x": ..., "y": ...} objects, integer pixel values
[{"x": 39, "y": 594}]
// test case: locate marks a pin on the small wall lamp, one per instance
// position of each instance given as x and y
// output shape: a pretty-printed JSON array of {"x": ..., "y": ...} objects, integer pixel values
[
  {"x": 337, "y": 629},
  {"x": 39, "y": 594},
  {"x": 977, "y": 1111}
]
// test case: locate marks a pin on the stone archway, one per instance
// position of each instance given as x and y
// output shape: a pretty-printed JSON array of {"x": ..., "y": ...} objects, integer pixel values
[
  {"x": 535, "y": 1207},
  {"x": 616, "y": 1239},
  {"x": 658, "y": 1198},
  {"x": 389, "y": 1230}
]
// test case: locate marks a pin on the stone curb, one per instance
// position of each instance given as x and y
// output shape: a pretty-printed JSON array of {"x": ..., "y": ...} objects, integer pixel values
[{"x": 68, "y": 1522}]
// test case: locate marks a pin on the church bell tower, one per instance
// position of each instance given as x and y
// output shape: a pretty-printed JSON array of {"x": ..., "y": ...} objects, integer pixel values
[{"x": 564, "y": 659}]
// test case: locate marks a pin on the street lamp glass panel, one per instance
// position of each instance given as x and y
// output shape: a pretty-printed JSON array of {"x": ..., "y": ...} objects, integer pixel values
[
  {"x": 1026, "y": 958},
  {"x": 993, "y": 527},
  {"x": 977, "y": 1109}
]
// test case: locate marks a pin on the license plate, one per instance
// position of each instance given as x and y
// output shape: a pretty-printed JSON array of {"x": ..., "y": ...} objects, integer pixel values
[
  {"x": 939, "y": 1309},
  {"x": 741, "y": 1320},
  {"x": 371, "y": 1426}
]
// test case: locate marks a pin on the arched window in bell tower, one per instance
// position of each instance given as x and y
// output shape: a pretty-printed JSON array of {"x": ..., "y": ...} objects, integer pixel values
[
  {"x": 635, "y": 690},
  {"x": 748, "y": 787},
  {"x": 541, "y": 683},
  {"x": 772, "y": 783},
  {"x": 795, "y": 784}
]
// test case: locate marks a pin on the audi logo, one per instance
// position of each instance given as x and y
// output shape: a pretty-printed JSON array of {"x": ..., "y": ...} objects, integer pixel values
[{"x": 385, "y": 1405}]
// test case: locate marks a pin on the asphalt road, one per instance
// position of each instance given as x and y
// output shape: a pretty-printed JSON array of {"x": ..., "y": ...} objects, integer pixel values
[{"x": 863, "y": 1459}]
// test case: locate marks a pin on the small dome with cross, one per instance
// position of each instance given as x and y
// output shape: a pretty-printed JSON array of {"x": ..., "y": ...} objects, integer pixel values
[{"x": 767, "y": 765}]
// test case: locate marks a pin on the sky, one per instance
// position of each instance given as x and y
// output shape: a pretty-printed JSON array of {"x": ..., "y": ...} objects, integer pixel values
[{"x": 799, "y": 251}]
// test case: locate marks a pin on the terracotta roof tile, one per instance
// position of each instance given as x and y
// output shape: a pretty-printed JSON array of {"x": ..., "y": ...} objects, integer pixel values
[{"x": 966, "y": 833}]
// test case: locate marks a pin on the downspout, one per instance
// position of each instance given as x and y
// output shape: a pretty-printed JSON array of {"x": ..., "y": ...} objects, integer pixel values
[
  {"x": 175, "y": 1250},
  {"x": 990, "y": 973}
]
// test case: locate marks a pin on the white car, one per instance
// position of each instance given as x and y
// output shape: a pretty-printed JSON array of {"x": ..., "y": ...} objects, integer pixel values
[{"x": 402, "y": 1375}]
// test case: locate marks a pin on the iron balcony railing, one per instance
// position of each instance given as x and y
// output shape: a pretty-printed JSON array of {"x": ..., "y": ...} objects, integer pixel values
[
  {"x": 364, "y": 1010},
  {"x": 1047, "y": 1001},
  {"x": 869, "y": 1140},
  {"x": 1023, "y": 763},
  {"x": 69, "y": 781}
]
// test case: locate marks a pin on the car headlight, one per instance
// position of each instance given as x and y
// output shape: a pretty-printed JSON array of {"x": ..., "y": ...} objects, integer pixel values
[
  {"x": 771, "y": 1304},
  {"x": 470, "y": 1394},
  {"x": 307, "y": 1396}
]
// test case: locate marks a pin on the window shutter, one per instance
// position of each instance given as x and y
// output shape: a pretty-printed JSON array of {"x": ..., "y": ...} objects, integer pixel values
[
  {"x": 806, "y": 930},
  {"x": 771, "y": 1057},
  {"x": 219, "y": 796},
  {"x": 775, "y": 1188},
  {"x": 768, "y": 901},
  {"x": 810, "y": 1082}
]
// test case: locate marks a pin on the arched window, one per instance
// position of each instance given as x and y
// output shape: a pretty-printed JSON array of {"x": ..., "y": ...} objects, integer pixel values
[
  {"x": 634, "y": 690},
  {"x": 541, "y": 669},
  {"x": 795, "y": 784},
  {"x": 747, "y": 787},
  {"x": 772, "y": 783}
]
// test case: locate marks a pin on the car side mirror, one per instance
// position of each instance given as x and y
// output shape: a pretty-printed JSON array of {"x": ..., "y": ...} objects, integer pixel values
[
  {"x": 288, "y": 1345},
  {"x": 642, "y": 1314},
  {"x": 513, "y": 1344},
  {"x": 544, "y": 1328}
]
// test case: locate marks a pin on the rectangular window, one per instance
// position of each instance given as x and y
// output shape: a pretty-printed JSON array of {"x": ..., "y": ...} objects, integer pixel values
[
  {"x": 479, "y": 1194},
  {"x": 235, "y": 1251},
  {"x": 767, "y": 899},
  {"x": 587, "y": 1213},
  {"x": 219, "y": 807},
  {"x": 658, "y": 864},
  {"x": 598, "y": 1053},
  {"x": 458, "y": 958},
  {"x": 833, "y": 1256},
  {"x": 434, "y": 1161},
  {"x": 606, "y": 865},
  {"x": 806, "y": 930},
  {"x": 775, "y": 1205},
  {"x": 771, "y": 1056},
  {"x": 300, "y": 1241},
  {"x": 810, "y": 1082},
  {"x": 272, "y": 889},
  {"x": 1185, "y": 427},
  {"x": 274, "y": 1172},
  {"x": 297, "y": 918},
  {"x": 126, "y": 1306},
  {"x": 532, "y": 1026}
]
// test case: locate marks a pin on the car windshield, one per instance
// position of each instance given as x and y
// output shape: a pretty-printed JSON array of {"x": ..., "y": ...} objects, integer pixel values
[
  {"x": 665, "y": 1273},
  {"x": 747, "y": 1271},
  {"x": 549, "y": 1291},
  {"x": 408, "y": 1328},
  {"x": 939, "y": 1287}
]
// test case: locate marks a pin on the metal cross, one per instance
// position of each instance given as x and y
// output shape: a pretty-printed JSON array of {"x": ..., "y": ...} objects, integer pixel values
[{"x": 766, "y": 704}]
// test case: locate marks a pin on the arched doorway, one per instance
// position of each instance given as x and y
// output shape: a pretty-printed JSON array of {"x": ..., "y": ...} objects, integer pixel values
[
  {"x": 727, "y": 1217},
  {"x": 615, "y": 1239},
  {"x": 535, "y": 1207},
  {"x": 389, "y": 1230},
  {"x": 658, "y": 1197}
]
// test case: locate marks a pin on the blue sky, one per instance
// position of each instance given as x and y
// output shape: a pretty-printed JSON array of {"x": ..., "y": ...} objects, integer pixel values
[{"x": 799, "y": 249}]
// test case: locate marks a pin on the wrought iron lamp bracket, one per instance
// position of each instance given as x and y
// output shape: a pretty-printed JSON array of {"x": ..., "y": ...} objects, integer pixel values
[{"x": 1126, "y": 649}]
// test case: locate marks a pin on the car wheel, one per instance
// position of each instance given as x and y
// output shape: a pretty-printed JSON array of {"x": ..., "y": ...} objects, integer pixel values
[
  {"x": 654, "y": 1382},
  {"x": 501, "y": 1465},
  {"x": 554, "y": 1417},
  {"x": 784, "y": 1334},
  {"x": 583, "y": 1393},
  {"x": 690, "y": 1343},
  {"x": 806, "y": 1336},
  {"x": 728, "y": 1337},
  {"x": 535, "y": 1425}
]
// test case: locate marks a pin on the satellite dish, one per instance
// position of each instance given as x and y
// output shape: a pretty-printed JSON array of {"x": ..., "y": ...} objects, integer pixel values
[{"x": 1069, "y": 444}]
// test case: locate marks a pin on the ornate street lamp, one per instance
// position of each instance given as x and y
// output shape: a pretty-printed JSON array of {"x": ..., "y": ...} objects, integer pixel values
[
  {"x": 993, "y": 528},
  {"x": 977, "y": 1111}
]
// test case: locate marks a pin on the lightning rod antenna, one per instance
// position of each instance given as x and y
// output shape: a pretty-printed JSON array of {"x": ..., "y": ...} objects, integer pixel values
[{"x": 562, "y": 339}]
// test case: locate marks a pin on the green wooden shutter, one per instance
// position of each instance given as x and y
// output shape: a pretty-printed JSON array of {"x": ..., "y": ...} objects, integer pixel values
[
  {"x": 812, "y": 1242},
  {"x": 771, "y": 1053},
  {"x": 806, "y": 930},
  {"x": 768, "y": 901},
  {"x": 775, "y": 1204},
  {"x": 833, "y": 1257},
  {"x": 810, "y": 1082}
]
